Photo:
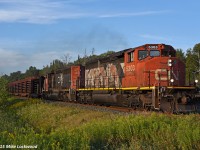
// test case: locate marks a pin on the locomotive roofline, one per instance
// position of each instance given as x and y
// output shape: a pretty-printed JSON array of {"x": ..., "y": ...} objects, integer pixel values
[
  {"x": 120, "y": 54},
  {"x": 110, "y": 57}
]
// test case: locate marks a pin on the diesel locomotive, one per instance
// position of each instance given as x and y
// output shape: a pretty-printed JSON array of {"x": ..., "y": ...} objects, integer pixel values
[{"x": 149, "y": 76}]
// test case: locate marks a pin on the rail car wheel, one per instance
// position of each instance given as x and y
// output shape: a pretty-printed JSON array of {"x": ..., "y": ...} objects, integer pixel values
[
  {"x": 60, "y": 96},
  {"x": 146, "y": 102},
  {"x": 65, "y": 97},
  {"x": 133, "y": 106},
  {"x": 135, "y": 103},
  {"x": 167, "y": 104},
  {"x": 141, "y": 104},
  {"x": 147, "y": 107},
  {"x": 173, "y": 103},
  {"x": 91, "y": 102},
  {"x": 79, "y": 99}
]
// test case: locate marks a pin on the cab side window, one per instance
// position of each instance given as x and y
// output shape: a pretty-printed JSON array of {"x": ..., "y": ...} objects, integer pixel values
[
  {"x": 130, "y": 56},
  {"x": 142, "y": 54}
]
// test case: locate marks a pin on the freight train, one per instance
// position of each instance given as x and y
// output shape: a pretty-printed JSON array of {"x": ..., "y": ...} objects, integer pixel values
[{"x": 149, "y": 77}]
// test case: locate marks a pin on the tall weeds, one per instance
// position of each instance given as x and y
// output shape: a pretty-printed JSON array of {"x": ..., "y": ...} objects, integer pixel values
[{"x": 32, "y": 122}]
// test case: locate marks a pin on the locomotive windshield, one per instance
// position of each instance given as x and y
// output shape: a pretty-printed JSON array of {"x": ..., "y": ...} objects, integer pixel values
[
  {"x": 142, "y": 54},
  {"x": 154, "y": 53}
]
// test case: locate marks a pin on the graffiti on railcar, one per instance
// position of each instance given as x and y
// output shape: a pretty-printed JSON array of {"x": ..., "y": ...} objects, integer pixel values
[{"x": 105, "y": 75}]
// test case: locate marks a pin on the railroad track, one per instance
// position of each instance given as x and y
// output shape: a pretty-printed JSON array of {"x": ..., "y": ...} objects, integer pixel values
[
  {"x": 95, "y": 107},
  {"x": 102, "y": 108},
  {"x": 112, "y": 109}
]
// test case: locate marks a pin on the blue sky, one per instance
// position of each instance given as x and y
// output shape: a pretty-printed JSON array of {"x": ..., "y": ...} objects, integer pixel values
[{"x": 34, "y": 32}]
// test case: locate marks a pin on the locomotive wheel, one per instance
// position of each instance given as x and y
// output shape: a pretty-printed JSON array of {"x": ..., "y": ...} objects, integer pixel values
[
  {"x": 60, "y": 96},
  {"x": 167, "y": 105},
  {"x": 91, "y": 102},
  {"x": 174, "y": 105},
  {"x": 135, "y": 104},
  {"x": 171, "y": 105}
]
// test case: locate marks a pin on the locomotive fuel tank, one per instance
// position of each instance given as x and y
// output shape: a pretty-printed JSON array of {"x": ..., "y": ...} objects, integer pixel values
[{"x": 108, "y": 99}]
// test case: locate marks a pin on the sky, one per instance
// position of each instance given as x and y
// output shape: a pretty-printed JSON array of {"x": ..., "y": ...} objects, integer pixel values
[{"x": 35, "y": 32}]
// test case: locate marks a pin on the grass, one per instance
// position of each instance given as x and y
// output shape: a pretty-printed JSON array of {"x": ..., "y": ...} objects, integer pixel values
[{"x": 50, "y": 126}]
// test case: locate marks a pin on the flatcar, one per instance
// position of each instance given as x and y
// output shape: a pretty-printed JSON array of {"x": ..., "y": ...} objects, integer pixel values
[
  {"x": 149, "y": 77},
  {"x": 28, "y": 87}
]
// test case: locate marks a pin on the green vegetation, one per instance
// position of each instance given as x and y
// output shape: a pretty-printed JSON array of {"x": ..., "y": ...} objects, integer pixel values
[
  {"x": 192, "y": 62},
  {"x": 52, "y": 126},
  {"x": 3, "y": 89}
]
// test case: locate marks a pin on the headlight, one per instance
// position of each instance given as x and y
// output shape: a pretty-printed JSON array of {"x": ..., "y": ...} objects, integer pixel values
[
  {"x": 171, "y": 80},
  {"x": 196, "y": 81},
  {"x": 169, "y": 62}
]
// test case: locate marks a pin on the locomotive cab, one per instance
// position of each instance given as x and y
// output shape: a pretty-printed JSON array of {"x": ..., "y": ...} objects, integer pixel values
[{"x": 153, "y": 65}]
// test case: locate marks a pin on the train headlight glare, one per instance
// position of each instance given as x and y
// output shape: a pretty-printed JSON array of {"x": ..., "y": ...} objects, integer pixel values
[
  {"x": 169, "y": 62},
  {"x": 196, "y": 81},
  {"x": 172, "y": 80}
]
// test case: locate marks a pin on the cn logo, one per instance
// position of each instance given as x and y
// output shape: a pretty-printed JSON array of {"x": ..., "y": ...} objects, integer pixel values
[{"x": 161, "y": 74}]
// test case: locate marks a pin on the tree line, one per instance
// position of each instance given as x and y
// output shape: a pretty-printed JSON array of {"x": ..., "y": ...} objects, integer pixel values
[
  {"x": 192, "y": 62},
  {"x": 54, "y": 65},
  {"x": 191, "y": 59}
]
